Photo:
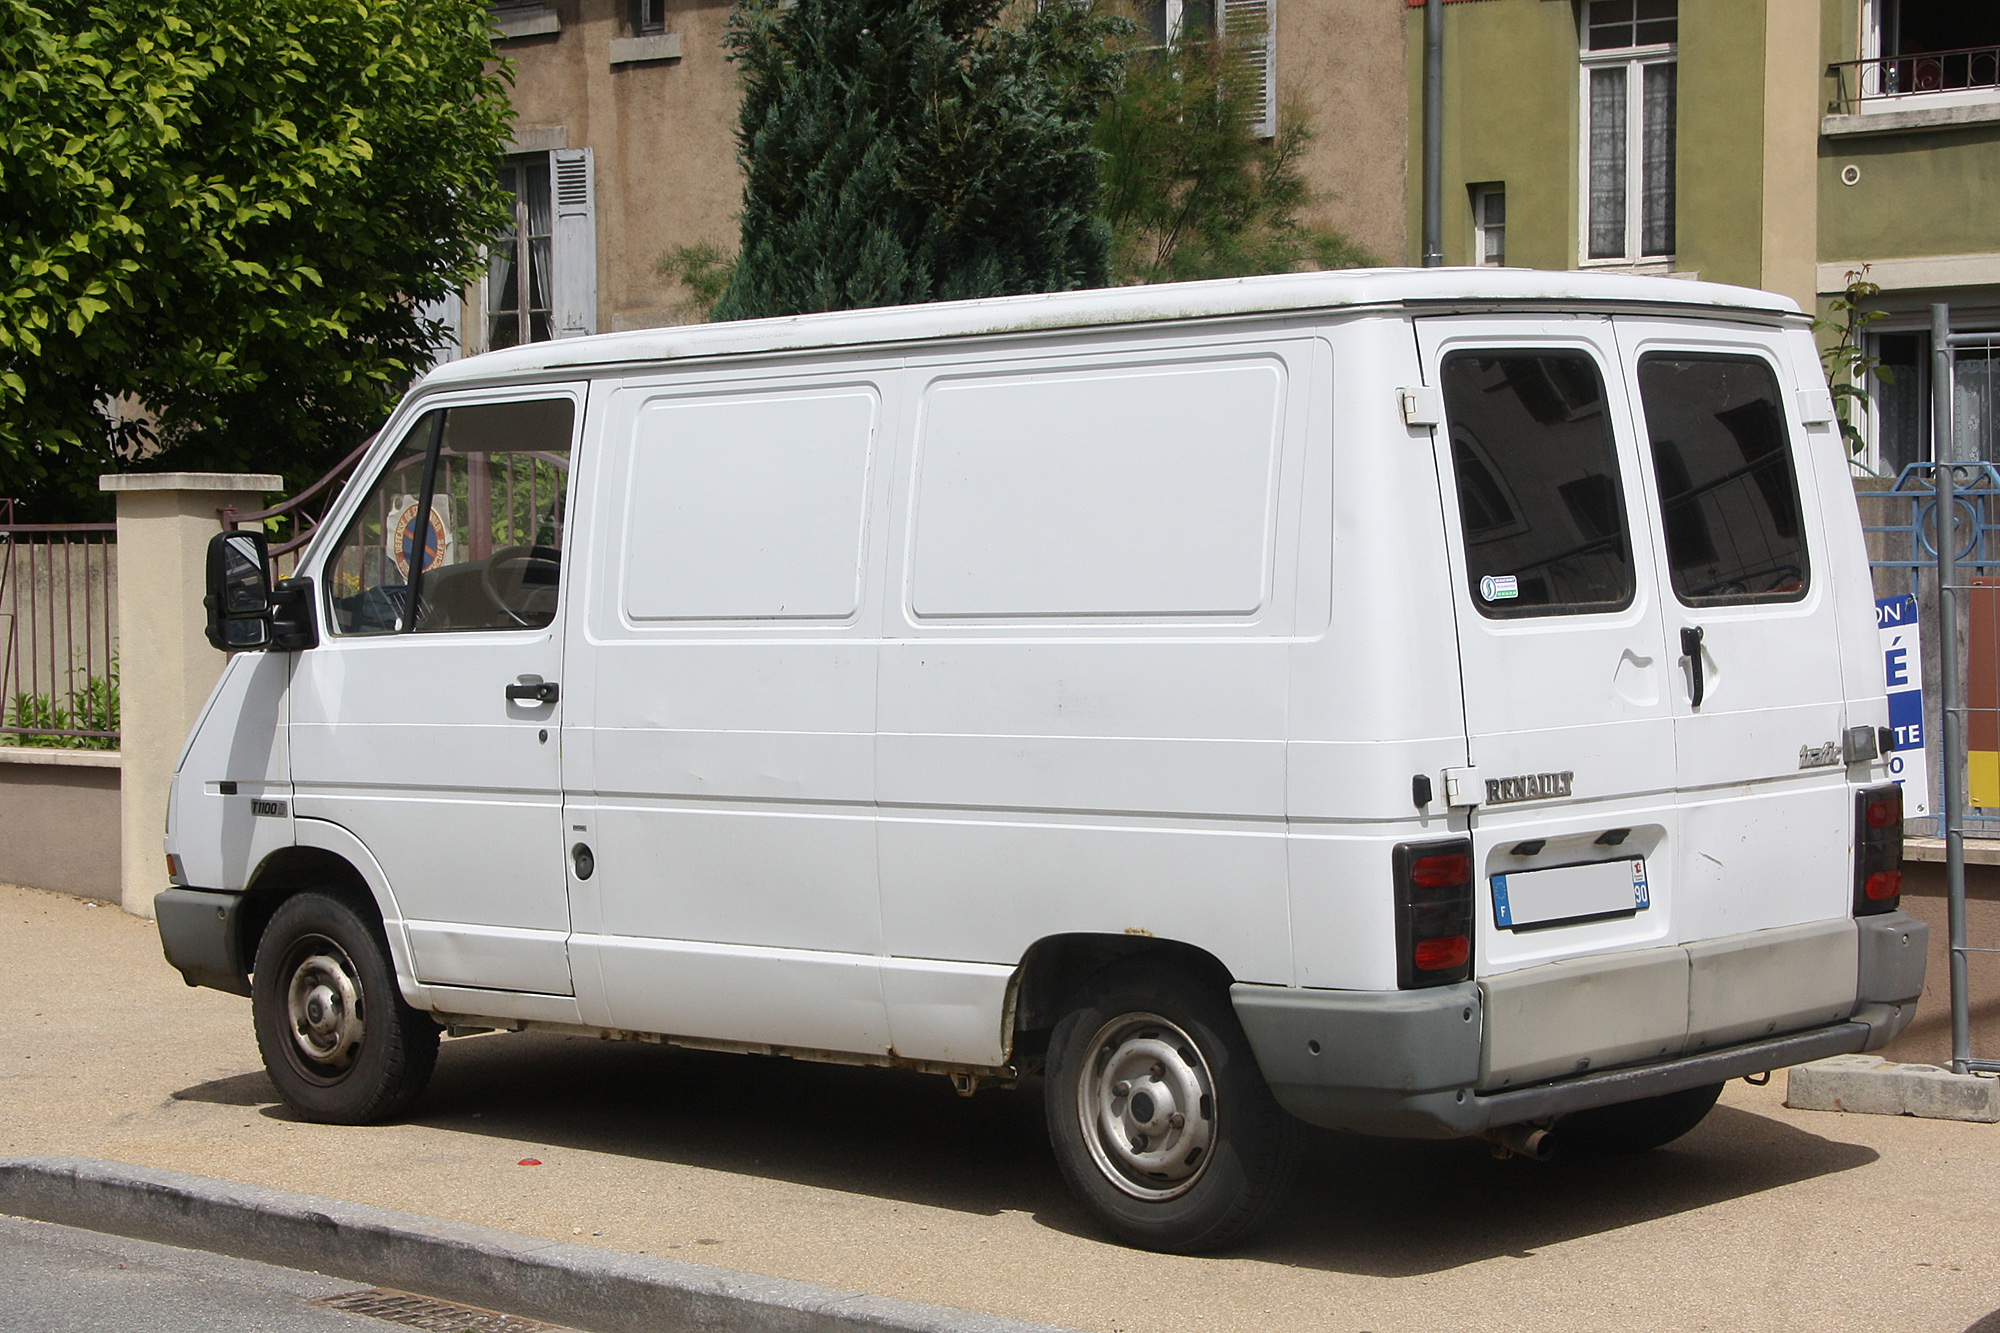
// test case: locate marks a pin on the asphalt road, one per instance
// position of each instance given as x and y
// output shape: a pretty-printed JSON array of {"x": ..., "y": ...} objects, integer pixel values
[
  {"x": 1763, "y": 1219},
  {"x": 57, "y": 1279}
]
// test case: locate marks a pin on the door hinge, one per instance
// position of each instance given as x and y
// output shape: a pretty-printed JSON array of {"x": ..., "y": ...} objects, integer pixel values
[
  {"x": 1422, "y": 405},
  {"x": 1463, "y": 787}
]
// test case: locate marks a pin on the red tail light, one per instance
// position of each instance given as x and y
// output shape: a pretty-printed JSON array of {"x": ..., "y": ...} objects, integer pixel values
[
  {"x": 1441, "y": 870},
  {"x": 1442, "y": 952},
  {"x": 1433, "y": 913},
  {"x": 1878, "y": 849}
]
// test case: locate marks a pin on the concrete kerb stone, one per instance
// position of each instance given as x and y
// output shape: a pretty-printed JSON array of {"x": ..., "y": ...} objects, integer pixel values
[
  {"x": 603, "y": 1291},
  {"x": 1870, "y": 1085}
]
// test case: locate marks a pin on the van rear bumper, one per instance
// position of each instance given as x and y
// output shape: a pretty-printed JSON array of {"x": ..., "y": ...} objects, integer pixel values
[{"x": 1409, "y": 1064}]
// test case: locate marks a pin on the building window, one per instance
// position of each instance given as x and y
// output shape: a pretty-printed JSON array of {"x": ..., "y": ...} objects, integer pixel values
[
  {"x": 1489, "y": 225},
  {"x": 1249, "y": 26},
  {"x": 520, "y": 275},
  {"x": 1930, "y": 46},
  {"x": 1629, "y": 108},
  {"x": 648, "y": 17},
  {"x": 1901, "y": 399},
  {"x": 1163, "y": 22}
]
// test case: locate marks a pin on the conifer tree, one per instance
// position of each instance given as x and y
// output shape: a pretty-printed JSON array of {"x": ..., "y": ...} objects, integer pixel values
[{"x": 901, "y": 151}]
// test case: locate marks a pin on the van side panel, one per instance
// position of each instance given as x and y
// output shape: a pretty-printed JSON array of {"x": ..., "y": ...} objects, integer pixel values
[
  {"x": 1082, "y": 728},
  {"x": 1374, "y": 697},
  {"x": 720, "y": 697}
]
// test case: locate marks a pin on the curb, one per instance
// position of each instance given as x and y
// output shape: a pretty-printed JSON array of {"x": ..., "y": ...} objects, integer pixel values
[
  {"x": 604, "y": 1291},
  {"x": 1870, "y": 1085}
]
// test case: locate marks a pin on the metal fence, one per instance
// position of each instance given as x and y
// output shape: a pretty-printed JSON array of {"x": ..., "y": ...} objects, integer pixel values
[
  {"x": 1858, "y": 82},
  {"x": 58, "y": 634},
  {"x": 1936, "y": 536}
]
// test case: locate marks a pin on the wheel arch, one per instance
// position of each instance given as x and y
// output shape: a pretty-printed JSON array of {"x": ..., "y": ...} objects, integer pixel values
[
  {"x": 327, "y": 857},
  {"x": 1056, "y": 968}
]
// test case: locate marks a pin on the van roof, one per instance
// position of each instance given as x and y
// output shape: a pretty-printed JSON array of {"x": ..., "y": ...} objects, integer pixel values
[{"x": 1440, "y": 288}]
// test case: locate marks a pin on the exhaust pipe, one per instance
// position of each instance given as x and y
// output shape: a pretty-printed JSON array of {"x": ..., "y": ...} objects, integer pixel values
[{"x": 1521, "y": 1141}]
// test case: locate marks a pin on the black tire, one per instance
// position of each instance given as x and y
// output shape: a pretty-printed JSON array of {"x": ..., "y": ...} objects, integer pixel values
[
  {"x": 1641, "y": 1126},
  {"x": 353, "y": 1053},
  {"x": 1224, "y": 1170}
]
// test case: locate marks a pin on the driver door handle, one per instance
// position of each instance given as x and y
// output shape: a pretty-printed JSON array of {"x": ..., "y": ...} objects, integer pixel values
[
  {"x": 1697, "y": 678},
  {"x": 535, "y": 688}
]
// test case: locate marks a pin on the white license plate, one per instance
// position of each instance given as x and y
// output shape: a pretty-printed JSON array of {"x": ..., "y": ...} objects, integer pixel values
[{"x": 1568, "y": 894}]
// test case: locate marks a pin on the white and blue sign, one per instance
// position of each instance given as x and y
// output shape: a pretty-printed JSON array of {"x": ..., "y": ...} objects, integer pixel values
[{"x": 1903, "y": 674}]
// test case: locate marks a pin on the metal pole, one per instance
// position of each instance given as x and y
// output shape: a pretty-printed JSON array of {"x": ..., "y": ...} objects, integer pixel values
[
  {"x": 1951, "y": 707},
  {"x": 1433, "y": 133}
]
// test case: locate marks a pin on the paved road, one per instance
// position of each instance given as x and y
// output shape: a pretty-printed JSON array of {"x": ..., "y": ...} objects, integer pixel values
[
  {"x": 60, "y": 1280},
  {"x": 1762, "y": 1219}
]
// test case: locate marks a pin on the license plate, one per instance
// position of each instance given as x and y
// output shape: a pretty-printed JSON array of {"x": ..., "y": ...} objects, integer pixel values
[{"x": 1566, "y": 895}]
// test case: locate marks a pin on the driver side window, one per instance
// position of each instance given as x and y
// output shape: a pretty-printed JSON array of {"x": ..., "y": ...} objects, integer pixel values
[{"x": 491, "y": 478}]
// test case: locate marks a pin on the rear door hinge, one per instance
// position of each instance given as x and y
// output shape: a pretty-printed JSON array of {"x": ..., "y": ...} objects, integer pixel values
[
  {"x": 1463, "y": 787},
  {"x": 1422, "y": 405}
]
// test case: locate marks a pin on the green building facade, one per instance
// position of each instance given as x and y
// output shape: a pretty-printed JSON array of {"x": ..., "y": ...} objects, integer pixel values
[{"x": 1781, "y": 144}]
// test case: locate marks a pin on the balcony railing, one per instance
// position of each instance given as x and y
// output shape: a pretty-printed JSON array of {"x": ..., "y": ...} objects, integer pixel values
[{"x": 1865, "y": 85}]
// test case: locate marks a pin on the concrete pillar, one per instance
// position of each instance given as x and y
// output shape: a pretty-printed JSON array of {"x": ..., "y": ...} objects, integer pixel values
[{"x": 165, "y": 666}]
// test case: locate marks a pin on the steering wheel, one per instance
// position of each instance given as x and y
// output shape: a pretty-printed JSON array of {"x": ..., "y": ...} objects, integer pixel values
[{"x": 510, "y": 569}]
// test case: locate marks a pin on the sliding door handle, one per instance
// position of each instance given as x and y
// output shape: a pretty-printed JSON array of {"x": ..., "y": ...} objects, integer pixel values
[
  {"x": 535, "y": 689},
  {"x": 1697, "y": 678}
]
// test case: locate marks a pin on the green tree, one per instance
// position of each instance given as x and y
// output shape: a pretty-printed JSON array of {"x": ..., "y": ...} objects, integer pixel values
[
  {"x": 916, "y": 150},
  {"x": 1190, "y": 190},
  {"x": 229, "y": 211}
]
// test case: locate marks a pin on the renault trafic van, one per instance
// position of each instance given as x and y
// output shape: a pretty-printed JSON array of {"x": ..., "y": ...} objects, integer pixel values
[{"x": 1425, "y": 703}]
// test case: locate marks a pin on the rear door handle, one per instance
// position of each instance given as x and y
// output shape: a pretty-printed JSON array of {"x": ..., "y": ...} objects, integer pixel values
[
  {"x": 1691, "y": 649},
  {"x": 534, "y": 688}
]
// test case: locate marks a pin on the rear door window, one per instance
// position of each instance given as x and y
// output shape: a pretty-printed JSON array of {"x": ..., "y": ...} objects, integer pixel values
[
  {"x": 1729, "y": 500},
  {"x": 1538, "y": 490}
]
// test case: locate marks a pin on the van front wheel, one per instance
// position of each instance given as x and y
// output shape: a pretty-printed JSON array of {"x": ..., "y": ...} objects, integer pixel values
[
  {"x": 1159, "y": 1116},
  {"x": 336, "y": 1037}
]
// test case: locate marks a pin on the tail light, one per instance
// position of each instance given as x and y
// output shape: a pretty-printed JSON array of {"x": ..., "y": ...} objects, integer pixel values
[
  {"x": 1433, "y": 913},
  {"x": 1878, "y": 849}
]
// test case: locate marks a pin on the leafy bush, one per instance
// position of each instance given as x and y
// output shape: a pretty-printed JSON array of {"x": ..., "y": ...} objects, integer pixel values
[
  {"x": 228, "y": 211},
  {"x": 93, "y": 708}
]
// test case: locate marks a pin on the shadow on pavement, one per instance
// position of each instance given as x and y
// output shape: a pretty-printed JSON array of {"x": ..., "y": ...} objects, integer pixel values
[
  {"x": 1990, "y": 1324},
  {"x": 1389, "y": 1208},
  {"x": 1400, "y": 1208}
]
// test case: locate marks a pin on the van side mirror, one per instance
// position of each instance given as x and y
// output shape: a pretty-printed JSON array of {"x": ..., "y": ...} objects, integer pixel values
[{"x": 239, "y": 592}]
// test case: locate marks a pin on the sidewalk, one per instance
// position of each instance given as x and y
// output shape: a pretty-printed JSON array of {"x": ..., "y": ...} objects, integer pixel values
[{"x": 1764, "y": 1218}]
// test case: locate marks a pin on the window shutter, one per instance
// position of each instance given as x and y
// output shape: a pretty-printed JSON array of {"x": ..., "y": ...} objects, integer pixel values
[
  {"x": 575, "y": 268},
  {"x": 1253, "y": 26}
]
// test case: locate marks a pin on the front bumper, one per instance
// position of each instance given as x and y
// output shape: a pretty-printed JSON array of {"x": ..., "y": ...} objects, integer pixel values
[
  {"x": 199, "y": 935},
  {"x": 1419, "y": 1064}
]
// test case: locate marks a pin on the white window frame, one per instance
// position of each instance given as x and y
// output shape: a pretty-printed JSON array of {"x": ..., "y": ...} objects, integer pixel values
[
  {"x": 1635, "y": 59},
  {"x": 1480, "y": 227},
  {"x": 1234, "y": 17}
]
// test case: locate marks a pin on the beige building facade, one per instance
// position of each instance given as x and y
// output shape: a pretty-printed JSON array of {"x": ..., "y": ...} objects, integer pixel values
[{"x": 624, "y": 148}]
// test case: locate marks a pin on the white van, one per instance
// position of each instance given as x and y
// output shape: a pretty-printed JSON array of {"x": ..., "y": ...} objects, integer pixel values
[{"x": 1425, "y": 703}]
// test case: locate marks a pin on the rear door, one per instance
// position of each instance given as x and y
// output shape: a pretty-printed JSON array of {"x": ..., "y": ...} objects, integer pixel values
[
  {"x": 1567, "y": 679},
  {"x": 1753, "y": 627}
]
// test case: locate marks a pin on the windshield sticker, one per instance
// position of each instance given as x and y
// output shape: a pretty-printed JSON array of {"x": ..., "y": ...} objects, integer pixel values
[{"x": 1499, "y": 587}]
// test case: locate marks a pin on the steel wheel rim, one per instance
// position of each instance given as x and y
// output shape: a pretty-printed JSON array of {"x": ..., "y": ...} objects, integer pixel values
[
  {"x": 1146, "y": 1105},
  {"x": 325, "y": 1015}
]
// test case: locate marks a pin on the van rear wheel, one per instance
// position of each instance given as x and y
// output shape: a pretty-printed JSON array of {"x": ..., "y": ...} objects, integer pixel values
[
  {"x": 336, "y": 1037},
  {"x": 1159, "y": 1116},
  {"x": 1634, "y": 1127}
]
